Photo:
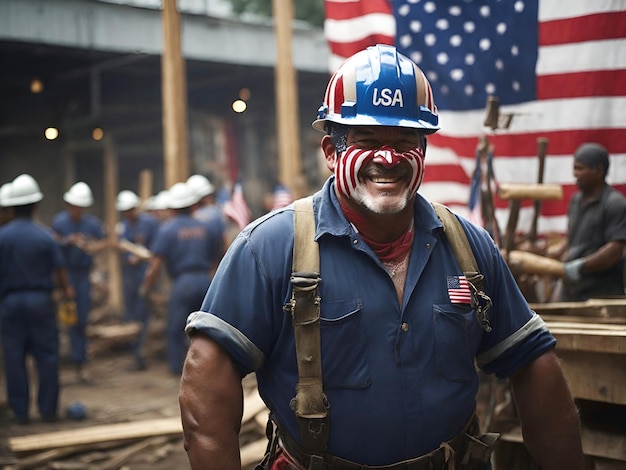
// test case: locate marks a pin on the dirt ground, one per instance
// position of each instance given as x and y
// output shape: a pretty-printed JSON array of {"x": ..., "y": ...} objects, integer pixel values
[{"x": 116, "y": 395}]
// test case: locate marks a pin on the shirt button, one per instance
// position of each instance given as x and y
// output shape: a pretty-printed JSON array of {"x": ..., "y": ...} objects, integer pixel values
[
  {"x": 405, "y": 327},
  {"x": 355, "y": 241},
  {"x": 427, "y": 245}
]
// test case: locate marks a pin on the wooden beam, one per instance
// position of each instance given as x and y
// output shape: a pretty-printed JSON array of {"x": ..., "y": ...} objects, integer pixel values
[
  {"x": 288, "y": 123},
  {"x": 96, "y": 434},
  {"x": 111, "y": 217},
  {"x": 595, "y": 443},
  {"x": 174, "y": 91},
  {"x": 517, "y": 191},
  {"x": 591, "y": 307}
]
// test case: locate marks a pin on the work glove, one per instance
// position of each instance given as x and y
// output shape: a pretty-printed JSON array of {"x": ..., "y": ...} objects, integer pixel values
[{"x": 573, "y": 268}]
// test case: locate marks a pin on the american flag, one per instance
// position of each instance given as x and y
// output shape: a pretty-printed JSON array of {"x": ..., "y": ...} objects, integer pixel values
[
  {"x": 458, "y": 290},
  {"x": 558, "y": 67},
  {"x": 281, "y": 197},
  {"x": 236, "y": 207}
]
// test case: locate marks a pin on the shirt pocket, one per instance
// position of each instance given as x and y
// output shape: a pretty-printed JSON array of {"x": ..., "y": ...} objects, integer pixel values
[
  {"x": 456, "y": 341},
  {"x": 345, "y": 362}
]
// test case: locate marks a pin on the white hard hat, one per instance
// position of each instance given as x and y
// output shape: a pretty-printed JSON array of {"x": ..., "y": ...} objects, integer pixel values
[
  {"x": 5, "y": 193},
  {"x": 181, "y": 195},
  {"x": 148, "y": 204},
  {"x": 126, "y": 200},
  {"x": 161, "y": 201},
  {"x": 201, "y": 185},
  {"x": 79, "y": 195},
  {"x": 23, "y": 190}
]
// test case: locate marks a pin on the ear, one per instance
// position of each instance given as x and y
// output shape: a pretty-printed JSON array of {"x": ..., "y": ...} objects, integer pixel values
[{"x": 330, "y": 152}]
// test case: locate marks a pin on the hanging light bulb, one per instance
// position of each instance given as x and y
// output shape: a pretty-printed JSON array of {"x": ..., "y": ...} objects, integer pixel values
[
  {"x": 239, "y": 106},
  {"x": 36, "y": 86},
  {"x": 97, "y": 133},
  {"x": 51, "y": 133}
]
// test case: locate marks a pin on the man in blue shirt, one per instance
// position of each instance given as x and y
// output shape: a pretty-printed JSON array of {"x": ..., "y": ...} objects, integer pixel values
[
  {"x": 31, "y": 266},
  {"x": 138, "y": 228},
  {"x": 399, "y": 337},
  {"x": 189, "y": 249},
  {"x": 81, "y": 235}
]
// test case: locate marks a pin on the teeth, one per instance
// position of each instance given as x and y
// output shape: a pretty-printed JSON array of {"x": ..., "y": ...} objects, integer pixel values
[{"x": 383, "y": 180}]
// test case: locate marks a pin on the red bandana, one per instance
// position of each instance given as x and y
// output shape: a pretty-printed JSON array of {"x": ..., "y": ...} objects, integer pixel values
[{"x": 386, "y": 252}]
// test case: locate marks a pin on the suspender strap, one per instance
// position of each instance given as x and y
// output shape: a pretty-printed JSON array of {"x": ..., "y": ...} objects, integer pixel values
[
  {"x": 310, "y": 403},
  {"x": 457, "y": 238}
]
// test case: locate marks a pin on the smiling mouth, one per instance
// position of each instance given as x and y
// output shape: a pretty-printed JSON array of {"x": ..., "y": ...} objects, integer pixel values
[{"x": 385, "y": 179}]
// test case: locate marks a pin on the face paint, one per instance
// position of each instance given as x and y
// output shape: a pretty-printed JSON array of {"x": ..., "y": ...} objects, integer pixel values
[{"x": 354, "y": 158}]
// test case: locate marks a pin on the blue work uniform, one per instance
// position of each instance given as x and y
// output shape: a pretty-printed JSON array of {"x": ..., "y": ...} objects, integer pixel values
[
  {"x": 189, "y": 248},
  {"x": 78, "y": 268},
  {"x": 29, "y": 256},
  {"x": 141, "y": 232},
  {"x": 213, "y": 215},
  {"x": 400, "y": 379}
]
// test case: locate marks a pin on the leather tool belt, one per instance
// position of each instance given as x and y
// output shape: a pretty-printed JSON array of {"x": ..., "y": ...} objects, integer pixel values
[{"x": 466, "y": 451}]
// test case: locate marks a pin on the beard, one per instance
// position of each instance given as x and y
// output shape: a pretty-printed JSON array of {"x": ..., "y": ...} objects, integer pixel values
[{"x": 383, "y": 202}]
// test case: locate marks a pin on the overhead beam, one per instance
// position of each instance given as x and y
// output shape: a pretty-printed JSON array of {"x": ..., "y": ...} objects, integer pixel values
[{"x": 129, "y": 29}]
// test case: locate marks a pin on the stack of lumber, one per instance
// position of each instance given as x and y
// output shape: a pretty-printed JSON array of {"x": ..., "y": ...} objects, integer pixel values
[
  {"x": 591, "y": 345},
  {"x": 109, "y": 446}
]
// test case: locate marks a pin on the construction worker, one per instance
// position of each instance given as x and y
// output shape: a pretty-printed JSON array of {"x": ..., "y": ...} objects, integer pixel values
[
  {"x": 6, "y": 212},
  {"x": 189, "y": 251},
  {"x": 81, "y": 235},
  {"x": 31, "y": 266},
  {"x": 139, "y": 229},
  {"x": 596, "y": 233},
  {"x": 382, "y": 371},
  {"x": 207, "y": 210}
]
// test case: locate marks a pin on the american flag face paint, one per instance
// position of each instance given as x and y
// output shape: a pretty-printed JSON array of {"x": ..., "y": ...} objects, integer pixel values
[{"x": 350, "y": 162}]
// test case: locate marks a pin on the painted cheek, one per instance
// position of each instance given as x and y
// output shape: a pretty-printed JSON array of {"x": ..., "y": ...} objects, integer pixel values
[{"x": 347, "y": 169}]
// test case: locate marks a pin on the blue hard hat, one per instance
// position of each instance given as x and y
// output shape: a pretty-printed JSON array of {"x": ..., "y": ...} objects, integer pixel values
[{"x": 379, "y": 87}]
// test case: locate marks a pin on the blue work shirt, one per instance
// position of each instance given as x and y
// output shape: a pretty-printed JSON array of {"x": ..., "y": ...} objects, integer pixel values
[
  {"x": 29, "y": 255},
  {"x": 89, "y": 226},
  {"x": 186, "y": 245},
  {"x": 400, "y": 379}
]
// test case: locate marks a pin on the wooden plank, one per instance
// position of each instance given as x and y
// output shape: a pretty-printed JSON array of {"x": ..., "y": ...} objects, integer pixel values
[
  {"x": 595, "y": 443},
  {"x": 531, "y": 263},
  {"x": 253, "y": 405},
  {"x": 604, "y": 341},
  {"x": 533, "y": 191},
  {"x": 253, "y": 452},
  {"x": 595, "y": 376},
  {"x": 574, "y": 325},
  {"x": 548, "y": 318},
  {"x": 591, "y": 307},
  {"x": 96, "y": 434}
]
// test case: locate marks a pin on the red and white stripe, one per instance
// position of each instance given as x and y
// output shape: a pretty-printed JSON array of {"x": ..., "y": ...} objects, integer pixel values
[
  {"x": 354, "y": 158},
  {"x": 236, "y": 208}
]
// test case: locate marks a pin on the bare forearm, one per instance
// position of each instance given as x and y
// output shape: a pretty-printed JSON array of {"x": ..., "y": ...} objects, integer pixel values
[
  {"x": 211, "y": 403},
  {"x": 607, "y": 256},
  {"x": 549, "y": 418}
]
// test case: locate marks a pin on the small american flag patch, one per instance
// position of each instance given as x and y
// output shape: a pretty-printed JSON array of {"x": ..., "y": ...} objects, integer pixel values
[{"x": 458, "y": 290}]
